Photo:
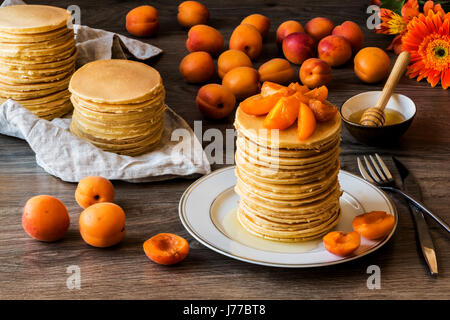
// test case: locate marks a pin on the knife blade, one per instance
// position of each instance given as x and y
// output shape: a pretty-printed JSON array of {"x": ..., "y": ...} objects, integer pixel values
[{"x": 411, "y": 186}]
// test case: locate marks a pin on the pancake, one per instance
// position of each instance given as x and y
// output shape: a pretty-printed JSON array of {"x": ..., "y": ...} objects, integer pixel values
[
  {"x": 252, "y": 128},
  {"x": 115, "y": 82},
  {"x": 308, "y": 233},
  {"x": 31, "y": 19},
  {"x": 289, "y": 189},
  {"x": 118, "y": 106},
  {"x": 37, "y": 58}
]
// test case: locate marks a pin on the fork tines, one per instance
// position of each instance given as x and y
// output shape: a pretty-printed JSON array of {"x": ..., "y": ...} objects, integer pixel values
[{"x": 378, "y": 171}]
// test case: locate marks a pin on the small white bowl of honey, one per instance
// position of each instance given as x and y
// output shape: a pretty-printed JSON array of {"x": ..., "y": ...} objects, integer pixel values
[{"x": 399, "y": 114}]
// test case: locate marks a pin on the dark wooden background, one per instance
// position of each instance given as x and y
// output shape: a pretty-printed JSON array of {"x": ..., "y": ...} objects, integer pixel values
[{"x": 31, "y": 269}]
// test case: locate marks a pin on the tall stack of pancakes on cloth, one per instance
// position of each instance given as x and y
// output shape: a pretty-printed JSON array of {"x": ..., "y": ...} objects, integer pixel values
[
  {"x": 118, "y": 106},
  {"x": 289, "y": 189},
  {"x": 37, "y": 58}
]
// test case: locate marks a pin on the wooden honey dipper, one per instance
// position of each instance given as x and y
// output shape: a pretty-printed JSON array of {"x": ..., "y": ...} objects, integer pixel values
[{"x": 374, "y": 117}]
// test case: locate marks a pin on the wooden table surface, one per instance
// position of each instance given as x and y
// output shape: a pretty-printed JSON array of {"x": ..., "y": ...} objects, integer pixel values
[{"x": 30, "y": 269}]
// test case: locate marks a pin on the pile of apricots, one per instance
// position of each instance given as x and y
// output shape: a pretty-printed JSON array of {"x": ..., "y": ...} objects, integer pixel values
[
  {"x": 101, "y": 224},
  {"x": 371, "y": 225},
  {"x": 282, "y": 106},
  {"x": 317, "y": 47}
]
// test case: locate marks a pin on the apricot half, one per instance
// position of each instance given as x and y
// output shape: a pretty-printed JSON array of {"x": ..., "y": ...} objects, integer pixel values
[
  {"x": 342, "y": 244},
  {"x": 373, "y": 225},
  {"x": 102, "y": 224},
  {"x": 166, "y": 248},
  {"x": 45, "y": 218}
]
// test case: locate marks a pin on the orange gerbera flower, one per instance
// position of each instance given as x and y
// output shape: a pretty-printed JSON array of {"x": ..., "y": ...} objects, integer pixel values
[
  {"x": 393, "y": 23},
  {"x": 428, "y": 41}
]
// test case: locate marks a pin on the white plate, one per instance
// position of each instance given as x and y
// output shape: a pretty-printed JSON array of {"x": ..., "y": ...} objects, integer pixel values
[{"x": 208, "y": 201}]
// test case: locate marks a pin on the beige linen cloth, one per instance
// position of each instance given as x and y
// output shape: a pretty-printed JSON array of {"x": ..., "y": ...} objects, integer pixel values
[{"x": 70, "y": 158}]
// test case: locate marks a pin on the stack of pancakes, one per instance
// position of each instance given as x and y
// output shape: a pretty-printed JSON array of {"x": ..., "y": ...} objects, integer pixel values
[
  {"x": 37, "y": 58},
  {"x": 118, "y": 106},
  {"x": 289, "y": 190}
]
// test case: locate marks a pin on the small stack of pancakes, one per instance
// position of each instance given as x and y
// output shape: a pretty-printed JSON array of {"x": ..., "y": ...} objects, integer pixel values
[
  {"x": 289, "y": 189},
  {"x": 37, "y": 58},
  {"x": 118, "y": 106}
]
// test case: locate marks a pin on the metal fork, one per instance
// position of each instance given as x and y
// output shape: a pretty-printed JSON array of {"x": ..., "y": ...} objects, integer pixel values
[{"x": 382, "y": 177}]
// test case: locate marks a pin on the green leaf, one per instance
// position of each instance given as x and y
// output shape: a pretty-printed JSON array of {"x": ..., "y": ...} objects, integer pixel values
[{"x": 394, "y": 5}]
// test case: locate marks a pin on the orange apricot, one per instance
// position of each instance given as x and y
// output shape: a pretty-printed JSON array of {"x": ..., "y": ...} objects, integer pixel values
[
  {"x": 306, "y": 123},
  {"x": 142, "y": 21},
  {"x": 319, "y": 27},
  {"x": 204, "y": 38},
  {"x": 269, "y": 88},
  {"x": 341, "y": 244},
  {"x": 352, "y": 33},
  {"x": 94, "y": 189},
  {"x": 298, "y": 88},
  {"x": 260, "y": 22},
  {"x": 323, "y": 110},
  {"x": 45, "y": 218},
  {"x": 102, "y": 224},
  {"x": 286, "y": 28},
  {"x": 372, "y": 64},
  {"x": 231, "y": 59},
  {"x": 259, "y": 105},
  {"x": 242, "y": 81},
  {"x": 166, "y": 248},
  {"x": 246, "y": 37},
  {"x": 373, "y": 225},
  {"x": 334, "y": 50},
  {"x": 191, "y": 13},
  {"x": 276, "y": 70},
  {"x": 315, "y": 73},
  {"x": 283, "y": 114},
  {"x": 320, "y": 93},
  {"x": 215, "y": 101},
  {"x": 197, "y": 67}
]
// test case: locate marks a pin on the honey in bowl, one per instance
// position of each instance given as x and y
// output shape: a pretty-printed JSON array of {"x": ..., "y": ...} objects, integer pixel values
[{"x": 391, "y": 117}]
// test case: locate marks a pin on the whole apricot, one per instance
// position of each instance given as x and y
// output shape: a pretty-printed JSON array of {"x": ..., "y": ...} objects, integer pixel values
[
  {"x": 242, "y": 81},
  {"x": 45, "y": 218},
  {"x": 94, "y": 189},
  {"x": 315, "y": 73},
  {"x": 372, "y": 64},
  {"x": 334, "y": 50},
  {"x": 191, "y": 13},
  {"x": 231, "y": 59},
  {"x": 197, "y": 67},
  {"x": 246, "y": 38},
  {"x": 215, "y": 101},
  {"x": 166, "y": 248},
  {"x": 142, "y": 21},
  {"x": 286, "y": 28},
  {"x": 102, "y": 224},
  {"x": 204, "y": 38},
  {"x": 319, "y": 27},
  {"x": 298, "y": 46},
  {"x": 260, "y": 22},
  {"x": 352, "y": 33},
  {"x": 276, "y": 70}
]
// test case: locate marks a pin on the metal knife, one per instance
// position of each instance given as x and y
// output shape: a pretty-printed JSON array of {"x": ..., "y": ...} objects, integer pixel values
[{"x": 411, "y": 186}]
